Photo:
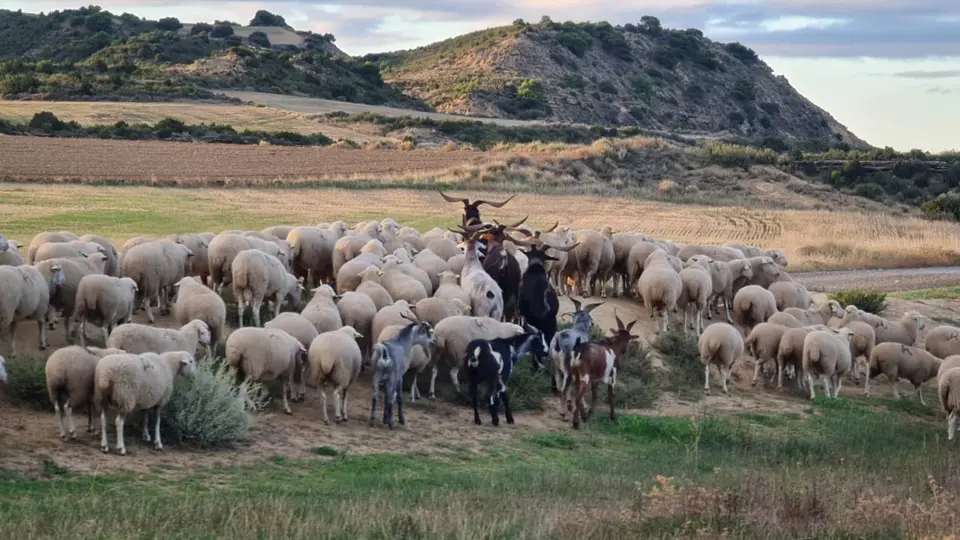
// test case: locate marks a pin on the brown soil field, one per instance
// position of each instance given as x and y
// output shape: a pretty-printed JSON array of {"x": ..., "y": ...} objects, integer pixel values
[{"x": 40, "y": 158}]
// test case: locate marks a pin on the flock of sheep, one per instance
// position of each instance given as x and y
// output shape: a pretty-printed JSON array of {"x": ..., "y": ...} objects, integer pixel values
[{"x": 390, "y": 300}]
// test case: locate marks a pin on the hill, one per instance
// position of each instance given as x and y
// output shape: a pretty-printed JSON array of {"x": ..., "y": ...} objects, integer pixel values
[
  {"x": 92, "y": 54},
  {"x": 595, "y": 73}
]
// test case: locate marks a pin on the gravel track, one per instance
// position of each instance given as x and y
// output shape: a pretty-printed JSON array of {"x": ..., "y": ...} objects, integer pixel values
[{"x": 905, "y": 279}]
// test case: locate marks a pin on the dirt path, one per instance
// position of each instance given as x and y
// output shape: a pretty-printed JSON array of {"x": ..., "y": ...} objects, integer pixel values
[{"x": 907, "y": 279}]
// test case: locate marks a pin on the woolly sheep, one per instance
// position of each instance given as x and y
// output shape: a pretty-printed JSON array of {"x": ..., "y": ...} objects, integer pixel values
[
  {"x": 785, "y": 319},
  {"x": 398, "y": 313},
  {"x": 660, "y": 285},
  {"x": 826, "y": 353},
  {"x": 753, "y": 305},
  {"x": 762, "y": 344},
  {"x": 751, "y": 251},
  {"x": 358, "y": 310},
  {"x": 70, "y": 377},
  {"x": 105, "y": 301},
  {"x": 267, "y": 354},
  {"x": 790, "y": 352},
  {"x": 635, "y": 260},
  {"x": 765, "y": 273},
  {"x": 723, "y": 274},
  {"x": 592, "y": 261},
  {"x": 63, "y": 296},
  {"x": 817, "y": 315},
  {"x": 790, "y": 295},
  {"x": 199, "y": 246},
  {"x": 349, "y": 276},
  {"x": 717, "y": 253},
  {"x": 334, "y": 357},
  {"x": 72, "y": 249},
  {"x": 347, "y": 248},
  {"x": 898, "y": 361},
  {"x": 449, "y": 288},
  {"x": 278, "y": 231},
  {"x": 453, "y": 334},
  {"x": 322, "y": 310},
  {"x": 720, "y": 345},
  {"x": 370, "y": 286},
  {"x": 852, "y": 313},
  {"x": 197, "y": 301},
  {"x": 433, "y": 310},
  {"x": 312, "y": 249},
  {"x": 24, "y": 294},
  {"x": 623, "y": 243},
  {"x": 296, "y": 325},
  {"x": 696, "y": 291},
  {"x": 905, "y": 331},
  {"x": 948, "y": 389},
  {"x": 223, "y": 249},
  {"x": 861, "y": 346},
  {"x": 112, "y": 267},
  {"x": 943, "y": 341},
  {"x": 138, "y": 338},
  {"x": 131, "y": 382},
  {"x": 48, "y": 237},
  {"x": 156, "y": 266},
  {"x": 257, "y": 276},
  {"x": 400, "y": 285},
  {"x": 433, "y": 265},
  {"x": 444, "y": 248},
  {"x": 10, "y": 254},
  {"x": 948, "y": 363}
]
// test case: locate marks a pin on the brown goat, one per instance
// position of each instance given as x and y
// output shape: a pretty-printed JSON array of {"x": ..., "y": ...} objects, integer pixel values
[{"x": 595, "y": 362}]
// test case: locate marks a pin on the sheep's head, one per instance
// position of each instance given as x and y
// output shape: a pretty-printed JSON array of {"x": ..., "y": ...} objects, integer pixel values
[
  {"x": 188, "y": 366},
  {"x": 370, "y": 272},
  {"x": 778, "y": 257},
  {"x": 4, "y": 244},
  {"x": 324, "y": 290},
  {"x": 461, "y": 305},
  {"x": 769, "y": 267},
  {"x": 918, "y": 319},
  {"x": 448, "y": 277},
  {"x": 56, "y": 275},
  {"x": 845, "y": 334},
  {"x": 338, "y": 227},
  {"x": 745, "y": 269},
  {"x": 835, "y": 309},
  {"x": 203, "y": 331}
]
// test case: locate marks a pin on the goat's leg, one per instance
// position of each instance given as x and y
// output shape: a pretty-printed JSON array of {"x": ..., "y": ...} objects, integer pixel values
[
  {"x": 611, "y": 397},
  {"x": 593, "y": 400},
  {"x": 399, "y": 394},
  {"x": 373, "y": 401},
  {"x": 493, "y": 405},
  {"x": 506, "y": 407},
  {"x": 474, "y": 398}
]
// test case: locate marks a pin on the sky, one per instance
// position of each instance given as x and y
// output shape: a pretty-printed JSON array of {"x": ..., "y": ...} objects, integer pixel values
[{"x": 887, "y": 69}]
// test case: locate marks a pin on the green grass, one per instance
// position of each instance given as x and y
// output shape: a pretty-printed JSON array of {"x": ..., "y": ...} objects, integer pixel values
[
  {"x": 847, "y": 470},
  {"x": 940, "y": 293}
]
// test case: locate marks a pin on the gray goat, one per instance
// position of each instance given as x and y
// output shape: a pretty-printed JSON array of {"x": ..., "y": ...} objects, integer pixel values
[
  {"x": 389, "y": 361},
  {"x": 561, "y": 347}
]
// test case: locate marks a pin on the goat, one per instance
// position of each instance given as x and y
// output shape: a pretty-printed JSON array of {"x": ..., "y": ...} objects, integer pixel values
[
  {"x": 486, "y": 296},
  {"x": 539, "y": 303},
  {"x": 471, "y": 210},
  {"x": 595, "y": 362},
  {"x": 562, "y": 345},
  {"x": 491, "y": 361},
  {"x": 389, "y": 361},
  {"x": 503, "y": 267}
]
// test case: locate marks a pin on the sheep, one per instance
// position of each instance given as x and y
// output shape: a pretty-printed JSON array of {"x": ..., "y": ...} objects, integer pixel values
[
  {"x": 948, "y": 389},
  {"x": 594, "y": 362},
  {"x": 10, "y": 253},
  {"x": 335, "y": 357},
  {"x": 818, "y": 315},
  {"x": 492, "y": 362},
  {"x": 69, "y": 376},
  {"x": 697, "y": 287},
  {"x": 785, "y": 319},
  {"x": 357, "y": 310},
  {"x": 63, "y": 296},
  {"x": 389, "y": 363},
  {"x": 322, "y": 310},
  {"x": 370, "y": 286},
  {"x": 948, "y": 363},
  {"x": 296, "y": 325},
  {"x": 105, "y": 301},
  {"x": 112, "y": 267},
  {"x": 133, "y": 242},
  {"x": 433, "y": 265},
  {"x": 257, "y": 276},
  {"x": 453, "y": 334},
  {"x": 898, "y": 361},
  {"x": 762, "y": 344},
  {"x": 350, "y": 275},
  {"x": 72, "y": 249},
  {"x": 593, "y": 258},
  {"x": 449, "y": 288},
  {"x": 155, "y": 266},
  {"x": 790, "y": 351},
  {"x": 48, "y": 237},
  {"x": 401, "y": 285},
  {"x": 852, "y": 313},
  {"x": 905, "y": 331},
  {"x": 434, "y": 310},
  {"x": 753, "y": 305},
  {"x": 278, "y": 231},
  {"x": 716, "y": 253},
  {"x": 397, "y": 313},
  {"x": 444, "y": 248},
  {"x": 457, "y": 263},
  {"x": 723, "y": 275},
  {"x": 561, "y": 349},
  {"x": 267, "y": 354},
  {"x": 765, "y": 273},
  {"x": 660, "y": 285},
  {"x": 635, "y": 261},
  {"x": 943, "y": 341},
  {"x": 312, "y": 249},
  {"x": 789, "y": 294},
  {"x": 130, "y": 382},
  {"x": 197, "y": 301},
  {"x": 720, "y": 345},
  {"x": 861, "y": 346},
  {"x": 751, "y": 251},
  {"x": 223, "y": 249},
  {"x": 25, "y": 294},
  {"x": 348, "y": 247},
  {"x": 199, "y": 246},
  {"x": 623, "y": 243},
  {"x": 827, "y": 353},
  {"x": 138, "y": 338}
]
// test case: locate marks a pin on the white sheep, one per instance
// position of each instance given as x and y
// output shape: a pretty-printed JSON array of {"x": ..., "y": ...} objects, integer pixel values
[
  {"x": 433, "y": 310},
  {"x": 817, "y": 315},
  {"x": 45, "y": 237},
  {"x": 223, "y": 249},
  {"x": 370, "y": 286},
  {"x": 349, "y": 276},
  {"x": 197, "y": 301},
  {"x": 24, "y": 294},
  {"x": 790, "y": 294},
  {"x": 905, "y": 331},
  {"x": 70, "y": 377},
  {"x": 826, "y": 353},
  {"x": 720, "y": 345},
  {"x": 257, "y": 276},
  {"x": 763, "y": 343},
  {"x": 861, "y": 346},
  {"x": 401, "y": 285},
  {"x": 138, "y": 338},
  {"x": 898, "y": 361},
  {"x": 334, "y": 357},
  {"x": 943, "y": 341},
  {"x": 449, "y": 288},
  {"x": 785, "y": 319},
  {"x": 127, "y": 383},
  {"x": 112, "y": 267},
  {"x": 73, "y": 249},
  {"x": 660, "y": 285},
  {"x": 401, "y": 312},
  {"x": 949, "y": 363},
  {"x": 105, "y": 301},
  {"x": 694, "y": 295},
  {"x": 296, "y": 325},
  {"x": 156, "y": 267},
  {"x": 312, "y": 249},
  {"x": 322, "y": 310},
  {"x": 453, "y": 334},
  {"x": 948, "y": 389},
  {"x": 753, "y": 305},
  {"x": 267, "y": 354},
  {"x": 357, "y": 310}
]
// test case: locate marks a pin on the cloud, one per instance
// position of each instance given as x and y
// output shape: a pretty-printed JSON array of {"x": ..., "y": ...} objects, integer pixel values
[
  {"x": 929, "y": 74},
  {"x": 938, "y": 90},
  {"x": 786, "y": 28}
]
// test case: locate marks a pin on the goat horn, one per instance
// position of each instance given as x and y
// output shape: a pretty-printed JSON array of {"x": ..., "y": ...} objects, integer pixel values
[
  {"x": 551, "y": 229},
  {"x": 493, "y": 204},
  {"x": 565, "y": 249},
  {"x": 576, "y": 305},
  {"x": 517, "y": 224},
  {"x": 617, "y": 318},
  {"x": 591, "y": 307},
  {"x": 630, "y": 326},
  {"x": 453, "y": 199},
  {"x": 404, "y": 315}
]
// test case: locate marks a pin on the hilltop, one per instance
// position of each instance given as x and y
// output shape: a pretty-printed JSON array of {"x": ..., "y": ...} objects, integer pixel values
[{"x": 596, "y": 73}]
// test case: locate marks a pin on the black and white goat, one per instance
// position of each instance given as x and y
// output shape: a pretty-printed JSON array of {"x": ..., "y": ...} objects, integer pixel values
[
  {"x": 471, "y": 210},
  {"x": 390, "y": 363},
  {"x": 491, "y": 362}
]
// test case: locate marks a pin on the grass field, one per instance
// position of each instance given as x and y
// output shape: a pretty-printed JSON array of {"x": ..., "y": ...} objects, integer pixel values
[
  {"x": 811, "y": 239},
  {"x": 844, "y": 470}
]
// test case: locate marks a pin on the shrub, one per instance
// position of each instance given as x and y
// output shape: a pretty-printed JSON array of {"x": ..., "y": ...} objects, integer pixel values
[
  {"x": 169, "y": 24},
  {"x": 870, "y": 191},
  {"x": 265, "y": 18},
  {"x": 209, "y": 410},
  {"x": 27, "y": 382},
  {"x": 638, "y": 383},
  {"x": 742, "y": 53},
  {"x": 607, "y": 87},
  {"x": 743, "y": 91},
  {"x": 865, "y": 299},
  {"x": 46, "y": 121},
  {"x": 259, "y": 39},
  {"x": 221, "y": 31},
  {"x": 200, "y": 28}
]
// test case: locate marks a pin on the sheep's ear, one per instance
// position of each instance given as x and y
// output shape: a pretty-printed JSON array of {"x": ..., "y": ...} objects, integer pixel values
[
  {"x": 379, "y": 272},
  {"x": 85, "y": 256}
]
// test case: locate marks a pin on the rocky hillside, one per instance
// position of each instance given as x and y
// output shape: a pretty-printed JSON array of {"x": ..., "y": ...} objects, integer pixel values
[
  {"x": 90, "y": 53},
  {"x": 633, "y": 75}
]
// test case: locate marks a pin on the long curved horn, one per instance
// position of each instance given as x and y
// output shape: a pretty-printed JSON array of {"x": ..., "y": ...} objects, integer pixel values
[
  {"x": 617, "y": 318},
  {"x": 514, "y": 226},
  {"x": 576, "y": 305},
  {"x": 565, "y": 249},
  {"x": 630, "y": 326},
  {"x": 551, "y": 229},
  {"x": 591, "y": 307},
  {"x": 494, "y": 204},
  {"x": 453, "y": 199}
]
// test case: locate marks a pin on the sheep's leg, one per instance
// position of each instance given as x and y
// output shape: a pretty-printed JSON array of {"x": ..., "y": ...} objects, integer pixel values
[
  {"x": 475, "y": 399},
  {"x": 147, "y": 296},
  {"x": 255, "y": 306},
  {"x": 699, "y": 322},
  {"x": 43, "y": 337},
  {"x": 810, "y": 382},
  {"x": 343, "y": 403},
  {"x": 866, "y": 384},
  {"x": 756, "y": 372},
  {"x": 146, "y": 425},
  {"x": 51, "y": 317},
  {"x": 103, "y": 431},
  {"x": 413, "y": 388},
  {"x": 779, "y": 373},
  {"x": 706, "y": 378},
  {"x": 454, "y": 373},
  {"x": 666, "y": 319},
  {"x": 91, "y": 427},
  {"x": 725, "y": 378},
  {"x": 920, "y": 394},
  {"x": 686, "y": 319},
  {"x": 285, "y": 388},
  {"x": 434, "y": 371},
  {"x": 826, "y": 385},
  {"x": 896, "y": 392},
  {"x": 240, "y": 313},
  {"x": 726, "y": 305},
  {"x": 951, "y": 425},
  {"x": 157, "y": 445},
  {"x": 60, "y": 419},
  {"x": 323, "y": 404},
  {"x": 337, "y": 408},
  {"x": 121, "y": 448},
  {"x": 837, "y": 382}
]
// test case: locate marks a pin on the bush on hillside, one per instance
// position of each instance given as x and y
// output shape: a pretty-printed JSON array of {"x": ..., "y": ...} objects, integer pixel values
[
  {"x": 221, "y": 31},
  {"x": 260, "y": 39},
  {"x": 865, "y": 299},
  {"x": 265, "y": 18}
]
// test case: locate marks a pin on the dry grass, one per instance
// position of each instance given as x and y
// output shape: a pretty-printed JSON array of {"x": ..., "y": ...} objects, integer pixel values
[{"x": 811, "y": 239}]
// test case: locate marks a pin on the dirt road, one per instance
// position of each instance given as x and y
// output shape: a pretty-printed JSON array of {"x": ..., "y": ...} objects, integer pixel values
[{"x": 906, "y": 279}]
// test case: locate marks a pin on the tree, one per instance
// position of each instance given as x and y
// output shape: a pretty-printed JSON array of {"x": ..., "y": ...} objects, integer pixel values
[
  {"x": 259, "y": 39},
  {"x": 222, "y": 31},
  {"x": 199, "y": 28},
  {"x": 650, "y": 25},
  {"x": 265, "y": 18},
  {"x": 169, "y": 24}
]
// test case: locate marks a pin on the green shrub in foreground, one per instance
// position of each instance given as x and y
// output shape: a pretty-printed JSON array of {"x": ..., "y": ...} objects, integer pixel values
[
  {"x": 27, "y": 382},
  {"x": 865, "y": 299}
]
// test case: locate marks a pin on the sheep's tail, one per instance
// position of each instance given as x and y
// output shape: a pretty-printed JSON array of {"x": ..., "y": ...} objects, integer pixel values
[
  {"x": 750, "y": 344},
  {"x": 811, "y": 355},
  {"x": 711, "y": 348},
  {"x": 101, "y": 392}
]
